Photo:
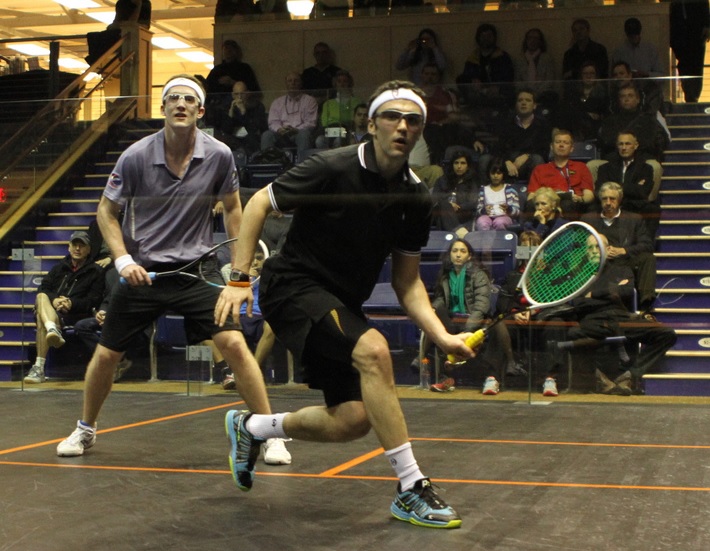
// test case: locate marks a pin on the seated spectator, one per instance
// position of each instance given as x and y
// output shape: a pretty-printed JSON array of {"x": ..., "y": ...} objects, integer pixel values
[
  {"x": 337, "y": 113},
  {"x": 570, "y": 179},
  {"x": 442, "y": 122},
  {"x": 455, "y": 195},
  {"x": 244, "y": 124},
  {"x": 649, "y": 90},
  {"x": 359, "y": 132},
  {"x": 462, "y": 289},
  {"x": 535, "y": 69},
  {"x": 582, "y": 50},
  {"x": 584, "y": 104},
  {"x": 420, "y": 163},
  {"x": 317, "y": 80},
  {"x": 636, "y": 179},
  {"x": 422, "y": 51},
  {"x": 68, "y": 293},
  {"x": 498, "y": 203},
  {"x": 292, "y": 118},
  {"x": 510, "y": 301},
  {"x": 488, "y": 74},
  {"x": 601, "y": 311},
  {"x": 523, "y": 139},
  {"x": 547, "y": 216},
  {"x": 222, "y": 78},
  {"x": 642, "y": 56},
  {"x": 629, "y": 242}
]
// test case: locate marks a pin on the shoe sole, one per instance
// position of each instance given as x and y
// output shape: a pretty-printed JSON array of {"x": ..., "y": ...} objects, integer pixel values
[
  {"x": 550, "y": 394},
  {"x": 75, "y": 454},
  {"x": 32, "y": 381},
  {"x": 234, "y": 437},
  {"x": 55, "y": 341},
  {"x": 412, "y": 519},
  {"x": 490, "y": 393}
]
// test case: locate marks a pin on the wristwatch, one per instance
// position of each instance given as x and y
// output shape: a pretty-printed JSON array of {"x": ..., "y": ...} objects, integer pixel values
[{"x": 237, "y": 278}]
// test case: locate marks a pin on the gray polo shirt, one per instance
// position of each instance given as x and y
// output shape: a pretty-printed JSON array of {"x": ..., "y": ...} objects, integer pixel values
[{"x": 169, "y": 219}]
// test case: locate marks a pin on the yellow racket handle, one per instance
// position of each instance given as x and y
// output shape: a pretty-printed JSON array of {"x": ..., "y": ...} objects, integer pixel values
[{"x": 473, "y": 342}]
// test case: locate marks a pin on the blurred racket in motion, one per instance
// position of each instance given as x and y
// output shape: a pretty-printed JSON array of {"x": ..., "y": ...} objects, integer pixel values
[{"x": 563, "y": 267}]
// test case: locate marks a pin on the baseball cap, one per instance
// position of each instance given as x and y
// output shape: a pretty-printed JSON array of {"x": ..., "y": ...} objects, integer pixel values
[{"x": 80, "y": 236}]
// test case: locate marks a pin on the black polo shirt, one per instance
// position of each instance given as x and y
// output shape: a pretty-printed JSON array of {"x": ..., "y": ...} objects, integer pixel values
[{"x": 346, "y": 220}]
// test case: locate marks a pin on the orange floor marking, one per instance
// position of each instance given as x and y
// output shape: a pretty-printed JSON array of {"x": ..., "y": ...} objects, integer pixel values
[{"x": 544, "y": 443}]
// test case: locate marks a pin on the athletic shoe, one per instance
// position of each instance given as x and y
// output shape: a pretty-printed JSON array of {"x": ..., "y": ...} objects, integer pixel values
[
  {"x": 228, "y": 382},
  {"x": 245, "y": 448},
  {"x": 54, "y": 338},
  {"x": 35, "y": 375},
  {"x": 549, "y": 387},
  {"x": 515, "y": 370},
  {"x": 447, "y": 385},
  {"x": 421, "y": 506},
  {"x": 491, "y": 387},
  {"x": 81, "y": 439},
  {"x": 275, "y": 452},
  {"x": 123, "y": 366}
]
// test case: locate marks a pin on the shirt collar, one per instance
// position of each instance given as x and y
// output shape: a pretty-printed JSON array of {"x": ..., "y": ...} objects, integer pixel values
[{"x": 366, "y": 155}]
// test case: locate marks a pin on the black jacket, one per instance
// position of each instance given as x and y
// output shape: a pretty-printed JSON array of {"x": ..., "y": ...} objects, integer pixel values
[{"x": 84, "y": 287}]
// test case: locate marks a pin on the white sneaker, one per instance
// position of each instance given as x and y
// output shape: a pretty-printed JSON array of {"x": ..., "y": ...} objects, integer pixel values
[
  {"x": 549, "y": 388},
  {"x": 35, "y": 375},
  {"x": 491, "y": 387},
  {"x": 54, "y": 338},
  {"x": 81, "y": 439},
  {"x": 275, "y": 452}
]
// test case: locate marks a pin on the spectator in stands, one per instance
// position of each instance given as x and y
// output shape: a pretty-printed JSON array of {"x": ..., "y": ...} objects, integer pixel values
[
  {"x": 292, "y": 118},
  {"x": 642, "y": 56},
  {"x": 422, "y": 51},
  {"x": 535, "y": 69},
  {"x": 337, "y": 113},
  {"x": 511, "y": 301},
  {"x": 127, "y": 11},
  {"x": 523, "y": 139},
  {"x": 442, "y": 128},
  {"x": 488, "y": 74},
  {"x": 463, "y": 289},
  {"x": 359, "y": 131},
  {"x": 547, "y": 216},
  {"x": 629, "y": 242},
  {"x": 584, "y": 104},
  {"x": 570, "y": 179},
  {"x": 602, "y": 313},
  {"x": 690, "y": 30},
  {"x": 244, "y": 124},
  {"x": 222, "y": 78},
  {"x": 636, "y": 179},
  {"x": 318, "y": 79},
  {"x": 649, "y": 90},
  {"x": 68, "y": 293},
  {"x": 420, "y": 162},
  {"x": 498, "y": 202},
  {"x": 582, "y": 50},
  {"x": 455, "y": 195}
]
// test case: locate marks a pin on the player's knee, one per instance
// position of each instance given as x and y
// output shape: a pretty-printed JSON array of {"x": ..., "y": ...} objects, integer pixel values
[{"x": 372, "y": 352}]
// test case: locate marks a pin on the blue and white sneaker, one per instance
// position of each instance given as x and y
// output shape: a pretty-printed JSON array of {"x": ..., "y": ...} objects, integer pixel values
[
  {"x": 245, "y": 448},
  {"x": 422, "y": 507}
]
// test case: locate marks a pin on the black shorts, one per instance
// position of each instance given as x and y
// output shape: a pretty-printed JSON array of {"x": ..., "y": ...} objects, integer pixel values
[{"x": 133, "y": 309}]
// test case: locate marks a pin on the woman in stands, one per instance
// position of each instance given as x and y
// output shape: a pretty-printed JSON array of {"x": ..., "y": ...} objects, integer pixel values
[
  {"x": 547, "y": 216},
  {"x": 455, "y": 195}
]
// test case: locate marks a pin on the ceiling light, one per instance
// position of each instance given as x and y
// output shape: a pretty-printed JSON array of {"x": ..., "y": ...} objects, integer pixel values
[
  {"x": 105, "y": 17},
  {"x": 300, "y": 8},
  {"x": 197, "y": 56},
  {"x": 78, "y": 4},
  {"x": 29, "y": 49},
  {"x": 168, "y": 43}
]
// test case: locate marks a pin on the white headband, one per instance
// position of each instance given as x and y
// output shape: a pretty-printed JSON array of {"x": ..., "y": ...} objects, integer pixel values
[
  {"x": 399, "y": 93},
  {"x": 180, "y": 81}
]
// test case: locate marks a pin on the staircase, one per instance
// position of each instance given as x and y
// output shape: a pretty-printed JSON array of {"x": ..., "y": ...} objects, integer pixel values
[
  {"x": 20, "y": 279},
  {"x": 683, "y": 255}
]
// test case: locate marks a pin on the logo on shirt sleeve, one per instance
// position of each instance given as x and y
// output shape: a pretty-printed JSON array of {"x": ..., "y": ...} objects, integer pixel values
[{"x": 114, "y": 180}]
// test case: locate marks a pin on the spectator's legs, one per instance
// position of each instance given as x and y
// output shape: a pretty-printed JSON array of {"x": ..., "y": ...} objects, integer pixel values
[
  {"x": 268, "y": 139},
  {"x": 644, "y": 266},
  {"x": 303, "y": 140},
  {"x": 484, "y": 222},
  {"x": 501, "y": 223},
  {"x": 88, "y": 330}
]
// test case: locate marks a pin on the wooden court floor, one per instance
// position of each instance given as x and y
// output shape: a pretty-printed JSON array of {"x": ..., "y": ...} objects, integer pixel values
[{"x": 561, "y": 475}]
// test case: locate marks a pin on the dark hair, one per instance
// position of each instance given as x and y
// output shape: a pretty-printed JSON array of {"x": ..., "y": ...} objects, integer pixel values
[
  {"x": 589, "y": 63},
  {"x": 429, "y": 32},
  {"x": 449, "y": 170},
  {"x": 360, "y": 106},
  {"x": 343, "y": 72},
  {"x": 394, "y": 85},
  {"x": 629, "y": 86},
  {"x": 582, "y": 22},
  {"x": 497, "y": 164},
  {"x": 525, "y": 90},
  {"x": 543, "y": 42},
  {"x": 620, "y": 63},
  {"x": 474, "y": 261},
  {"x": 632, "y": 26},
  {"x": 485, "y": 27}
]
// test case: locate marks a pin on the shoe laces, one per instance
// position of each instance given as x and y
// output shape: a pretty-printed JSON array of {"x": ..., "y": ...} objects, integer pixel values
[{"x": 428, "y": 495}]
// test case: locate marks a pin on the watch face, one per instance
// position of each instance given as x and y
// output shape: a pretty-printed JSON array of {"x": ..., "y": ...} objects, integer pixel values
[{"x": 238, "y": 275}]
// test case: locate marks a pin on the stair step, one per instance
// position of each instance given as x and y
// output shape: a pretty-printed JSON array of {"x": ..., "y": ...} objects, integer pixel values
[
  {"x": 690, "y": 168},
  {"x": 684, "y": 227},
  {"x": 16, "y": 331},
  {"x": 73, "y": 219},
  {"x": 683, "y": 196},
  {"x": 685, "y": 155},
  {"x": 74, "y": 206},
  {"x": 677, "y": 384},
  {"x": 693, "y": 279},
  {"x": 682, "y": 243},
  {"x": 688, "y": 130},
  {"x": 58, "y": 233}
]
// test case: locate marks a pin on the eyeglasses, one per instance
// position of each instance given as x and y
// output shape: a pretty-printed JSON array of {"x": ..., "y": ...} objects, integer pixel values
[
  {"x": 391, "y": 116},
  {"x": 189, "y": 98}
]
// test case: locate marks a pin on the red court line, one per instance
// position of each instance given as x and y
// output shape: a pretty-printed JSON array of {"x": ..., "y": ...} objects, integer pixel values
[
  {"x": 533, "y": 484},
  {"x": 123, "y": 427},
  {"x": 553, "y": 443}
]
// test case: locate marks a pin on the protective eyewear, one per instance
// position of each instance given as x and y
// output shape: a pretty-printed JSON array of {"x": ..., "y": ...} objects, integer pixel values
[
  {"x": 189, "y": 98},
  {"x": 394, "y": 117}
]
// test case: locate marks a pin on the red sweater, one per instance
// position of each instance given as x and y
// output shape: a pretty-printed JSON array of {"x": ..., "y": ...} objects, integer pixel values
[{"x": 575, "y": 176}]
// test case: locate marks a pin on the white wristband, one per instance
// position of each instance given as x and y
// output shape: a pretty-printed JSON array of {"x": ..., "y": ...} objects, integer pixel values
[{"x": 122, "y": 262}]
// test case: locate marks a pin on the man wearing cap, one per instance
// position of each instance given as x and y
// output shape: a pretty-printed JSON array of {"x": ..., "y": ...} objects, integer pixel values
[
  {"x": 167, "y": 183},
  {"x": 67, "y": 294},
  {"x": 352, "y": 207}
]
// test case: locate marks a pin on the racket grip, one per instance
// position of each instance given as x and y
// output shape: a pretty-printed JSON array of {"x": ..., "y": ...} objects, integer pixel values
[
  {"x": 473, "y": 342},
  {"x": 122, "y": 280}
]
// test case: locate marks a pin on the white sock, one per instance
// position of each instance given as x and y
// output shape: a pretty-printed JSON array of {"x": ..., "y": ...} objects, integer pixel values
[
  {"x": 404, "y": 465},
  {"x": 50, "y": 325},
  {"x": 267, "y": 426},
  {"x": 40, "y": 362}
]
